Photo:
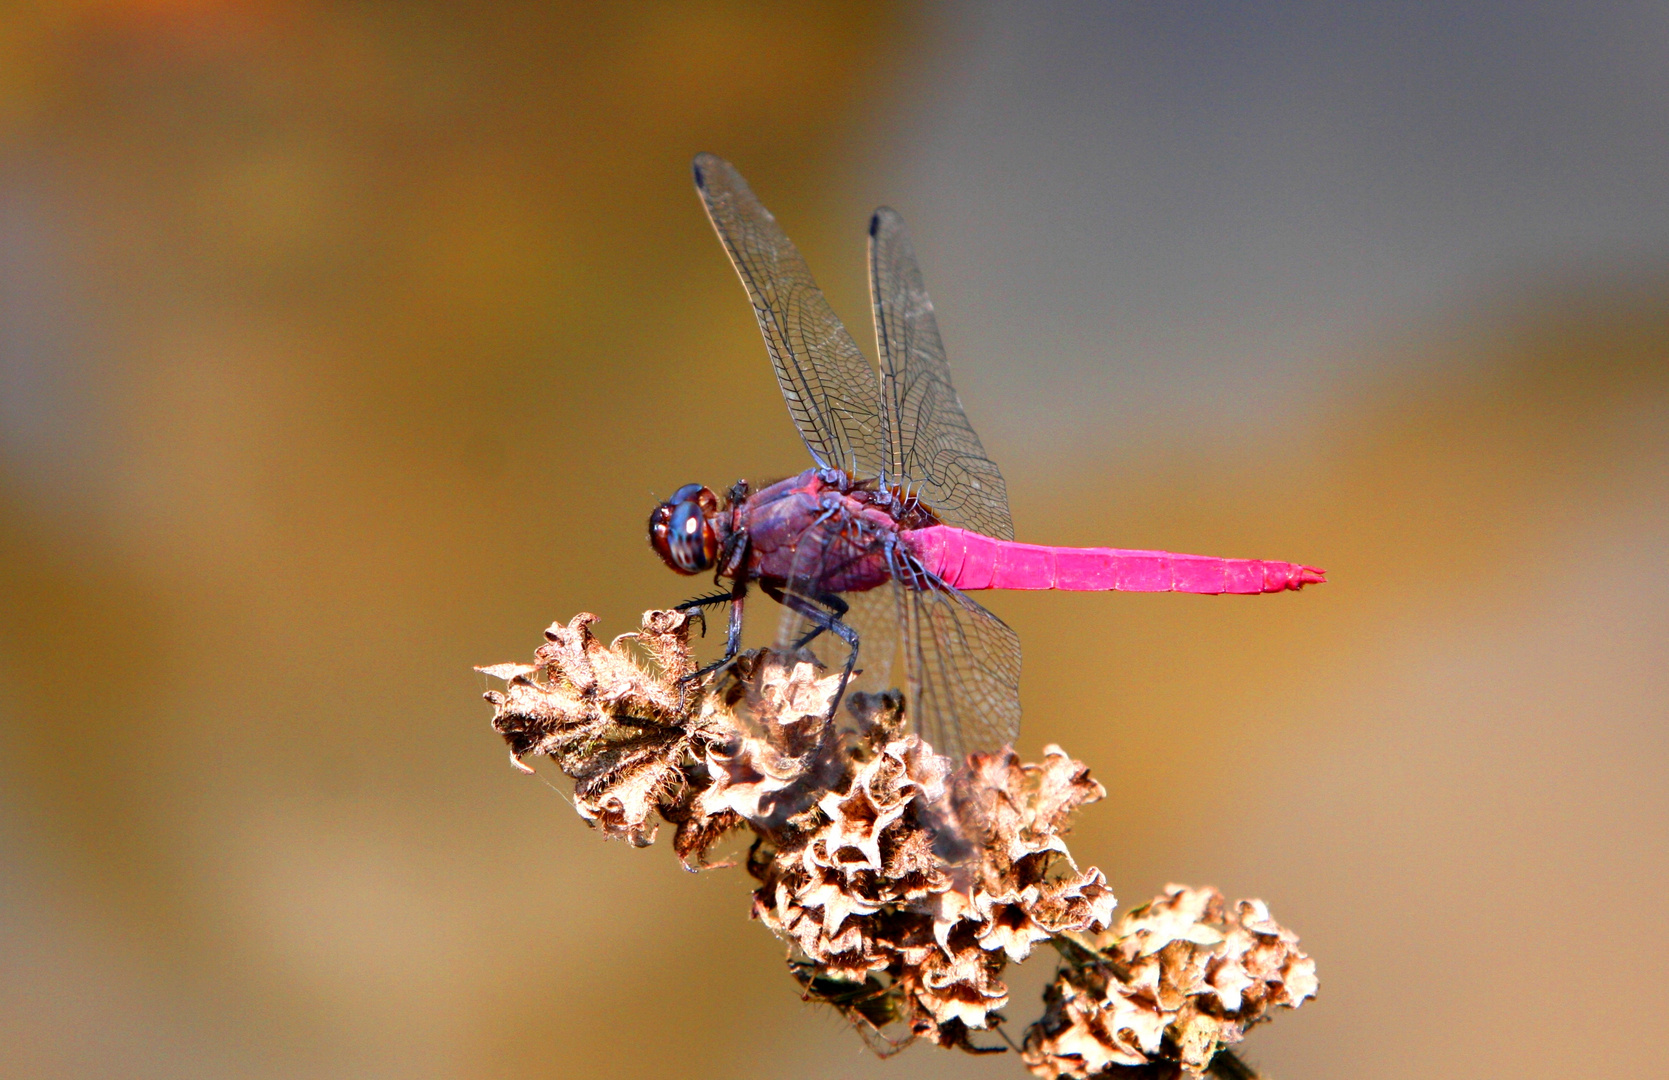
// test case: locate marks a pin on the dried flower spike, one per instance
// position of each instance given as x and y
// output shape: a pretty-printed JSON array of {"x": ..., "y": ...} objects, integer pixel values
[
  {"x": 902, "y": 883},
  {"x": 1175, "y": 980}
]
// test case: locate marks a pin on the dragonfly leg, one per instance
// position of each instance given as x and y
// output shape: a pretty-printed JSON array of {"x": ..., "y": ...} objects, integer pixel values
[
  {"x": 823, "y": 620},
  {"x": 837, "y": 606},
  {"x": 832, "y": 601},
  {"x": 733, "y": 634},
  {"x": 695, "y": 606}
]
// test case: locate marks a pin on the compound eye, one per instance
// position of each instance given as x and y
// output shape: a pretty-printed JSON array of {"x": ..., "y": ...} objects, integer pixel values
[
  {"x": 681, "y": 532},
  {"x": 687, "y": 538}
]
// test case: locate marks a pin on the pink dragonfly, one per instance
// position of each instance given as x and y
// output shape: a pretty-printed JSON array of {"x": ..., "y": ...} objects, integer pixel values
[{"x": 902, "y": 495}]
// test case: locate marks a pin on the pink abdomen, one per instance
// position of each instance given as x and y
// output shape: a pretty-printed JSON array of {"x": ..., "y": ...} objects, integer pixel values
[{"x": 970, "y": 560}]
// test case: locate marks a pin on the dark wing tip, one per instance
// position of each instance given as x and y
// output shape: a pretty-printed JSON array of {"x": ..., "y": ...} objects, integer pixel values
[
  {"x": 702, "y": 164},
  {"x": 881, "y": 218}
]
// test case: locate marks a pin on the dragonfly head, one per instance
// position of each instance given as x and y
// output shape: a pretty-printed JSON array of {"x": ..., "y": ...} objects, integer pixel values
[{"x": 681, "y": 529}]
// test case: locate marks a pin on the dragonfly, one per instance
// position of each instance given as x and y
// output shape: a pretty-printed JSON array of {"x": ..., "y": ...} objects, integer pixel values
[{"x": 902, "y": 513}]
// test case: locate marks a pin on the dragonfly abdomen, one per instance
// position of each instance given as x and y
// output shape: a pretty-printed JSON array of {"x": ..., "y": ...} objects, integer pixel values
[{"x": 970, "y": 560}]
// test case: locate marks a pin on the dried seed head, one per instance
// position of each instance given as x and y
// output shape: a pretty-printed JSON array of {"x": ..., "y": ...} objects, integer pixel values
[
  {"x": 1174, "y": 981},
  {"x": 903, "y": 883},
  {"x": 620, "y": 729}
]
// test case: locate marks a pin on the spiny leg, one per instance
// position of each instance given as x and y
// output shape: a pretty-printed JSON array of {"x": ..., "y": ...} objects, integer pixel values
[
  {"x": 823, "y": 620},
  {"x": 695, "y": 606},
  {"x": 733, "y": 634},
  {"x": 836, "y": 605}
]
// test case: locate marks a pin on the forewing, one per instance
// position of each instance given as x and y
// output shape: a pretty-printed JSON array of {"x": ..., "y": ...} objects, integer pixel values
[
  {"x": 930, "y": 445},
  {"x": 963, "y": 666},
  {"x": 819, "y": 557},
  {"x": 829, "y": 386}
]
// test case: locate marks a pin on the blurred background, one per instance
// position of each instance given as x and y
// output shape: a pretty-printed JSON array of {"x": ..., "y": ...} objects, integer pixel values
[{"x": 346, "y": 346}]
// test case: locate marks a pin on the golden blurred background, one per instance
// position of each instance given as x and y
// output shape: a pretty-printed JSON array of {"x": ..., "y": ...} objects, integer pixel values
[{"x": 345, "y": 346}]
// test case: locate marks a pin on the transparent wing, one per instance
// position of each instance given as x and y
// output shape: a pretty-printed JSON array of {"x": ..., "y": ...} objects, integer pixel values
[
  {"x": 963, "y": 667},
  {"x": 930, "y": 445},
  {"x": 874, "y": 615},
  {"x": 821, "y": 557},
  {"x": 829, "y": 386},
  {"x": 961, "y": 663}
]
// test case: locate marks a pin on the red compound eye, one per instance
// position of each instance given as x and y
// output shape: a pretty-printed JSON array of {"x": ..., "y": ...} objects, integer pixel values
[{"x": 681, "y": 529}]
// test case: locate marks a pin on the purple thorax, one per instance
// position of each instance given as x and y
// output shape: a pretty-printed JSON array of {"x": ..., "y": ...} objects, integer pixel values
[{"x": 822, "y": 515}]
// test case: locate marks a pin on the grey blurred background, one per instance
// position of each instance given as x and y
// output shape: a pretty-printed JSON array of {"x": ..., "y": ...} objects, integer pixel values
[{"x": 345, "y": 346}]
